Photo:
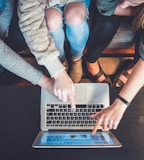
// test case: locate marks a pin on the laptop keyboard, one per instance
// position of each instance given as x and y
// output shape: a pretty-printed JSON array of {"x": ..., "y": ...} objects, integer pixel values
[{"x": 61, "y": 115}]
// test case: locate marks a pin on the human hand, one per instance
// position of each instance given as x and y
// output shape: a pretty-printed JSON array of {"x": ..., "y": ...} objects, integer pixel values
[
  {"x": 64, "y": 88},
  {"x": 109, "y": 117}
]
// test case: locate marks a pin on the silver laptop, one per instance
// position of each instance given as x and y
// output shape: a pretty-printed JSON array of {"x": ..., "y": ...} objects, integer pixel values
[{"x": 63, "y": 128}]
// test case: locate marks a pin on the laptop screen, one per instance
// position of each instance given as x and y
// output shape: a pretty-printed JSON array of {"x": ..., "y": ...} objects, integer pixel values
[{"x": 76, "y": 139}]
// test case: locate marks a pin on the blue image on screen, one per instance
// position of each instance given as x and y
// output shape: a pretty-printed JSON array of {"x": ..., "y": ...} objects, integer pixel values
[{"x": 75, "y": 138}]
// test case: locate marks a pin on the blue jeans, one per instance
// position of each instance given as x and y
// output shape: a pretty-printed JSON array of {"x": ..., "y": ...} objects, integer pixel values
[
  {"x": 76, "y": 35},
  {"x": 2, "y": 5}
]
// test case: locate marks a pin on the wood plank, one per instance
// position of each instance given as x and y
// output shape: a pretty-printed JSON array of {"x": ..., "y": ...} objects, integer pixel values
[{"x": 119, "y": 51}]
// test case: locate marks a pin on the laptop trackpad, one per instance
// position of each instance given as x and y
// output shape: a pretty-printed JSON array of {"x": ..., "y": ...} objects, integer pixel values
[{"x": 81, "y": 94}]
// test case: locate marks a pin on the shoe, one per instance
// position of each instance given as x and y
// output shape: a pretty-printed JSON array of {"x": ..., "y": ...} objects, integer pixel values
[
  {"x": 76, "y": 71},
  {"x": 117, "y": 81},
  {"x": 98, "y": 75}
]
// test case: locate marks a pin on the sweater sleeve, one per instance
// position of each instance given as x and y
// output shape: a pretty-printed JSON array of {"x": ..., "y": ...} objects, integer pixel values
[
  {"x": 33, "y": 26},
  {"x": 17, "y": 65}
]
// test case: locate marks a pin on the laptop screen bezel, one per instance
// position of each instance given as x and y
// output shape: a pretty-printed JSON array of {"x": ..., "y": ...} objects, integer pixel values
[{"x": 116, "y": 143}]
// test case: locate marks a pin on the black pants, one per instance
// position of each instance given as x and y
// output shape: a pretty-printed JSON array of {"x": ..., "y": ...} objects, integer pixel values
[{"x": 101, "y": 34}]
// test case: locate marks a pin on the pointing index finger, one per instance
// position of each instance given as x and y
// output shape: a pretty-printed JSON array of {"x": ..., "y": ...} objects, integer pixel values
[
  {"x": 72, "y": 102},
  {"x": 97, "y": 126}
]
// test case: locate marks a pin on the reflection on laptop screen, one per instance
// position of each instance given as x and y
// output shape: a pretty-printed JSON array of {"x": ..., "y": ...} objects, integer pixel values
[{"x": 75, "y": 138}]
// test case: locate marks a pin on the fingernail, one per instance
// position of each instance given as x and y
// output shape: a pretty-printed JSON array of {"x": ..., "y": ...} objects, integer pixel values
[
  {"x": 93, "y": 133},
  {"x": 73, "y": 109}
]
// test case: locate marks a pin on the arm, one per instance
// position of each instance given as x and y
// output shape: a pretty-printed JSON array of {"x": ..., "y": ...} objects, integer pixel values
[
  {"x": 109, "y": 8},
  {"x": 129, "y": 11},
  {"x": 111, "y": 116},
  {"x": 17, "y": 65},
  {"x": 33, "y": 26}
]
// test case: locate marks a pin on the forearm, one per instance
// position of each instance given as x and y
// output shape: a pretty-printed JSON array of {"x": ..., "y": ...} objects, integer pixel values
[
  {"x": 130, "y": 11},
  {"x": 33, "y": 26},
  {"x": 134, "y": 83},
  {"x": 17, "y": 65},
  {"x": 129, "y": 91}
]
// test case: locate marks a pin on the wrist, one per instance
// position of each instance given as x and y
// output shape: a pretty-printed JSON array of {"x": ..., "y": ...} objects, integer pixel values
[
  {"x": 44, "y": 80},
  {"x": 60, "y": 74},
  {"x": 123, "y": 100}
]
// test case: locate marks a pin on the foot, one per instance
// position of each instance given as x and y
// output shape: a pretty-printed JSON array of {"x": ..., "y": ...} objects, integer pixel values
[
  {"x": 97, "y": 74},
  {"x": 76, "y": 70},
  {"x": 122, "y": 78},
  {"x": 94, "y": 69}
]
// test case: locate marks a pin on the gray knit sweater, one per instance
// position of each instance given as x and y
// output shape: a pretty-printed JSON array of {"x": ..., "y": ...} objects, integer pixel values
[{"x": 17, "y": 65}]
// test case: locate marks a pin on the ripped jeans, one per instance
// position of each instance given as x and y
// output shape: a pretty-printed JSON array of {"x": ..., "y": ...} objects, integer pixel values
[{"x": 77, "y": 36}]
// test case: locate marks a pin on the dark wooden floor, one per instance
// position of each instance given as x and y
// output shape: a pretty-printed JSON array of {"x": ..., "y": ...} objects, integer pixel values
[{"x": 111, "y": 66}]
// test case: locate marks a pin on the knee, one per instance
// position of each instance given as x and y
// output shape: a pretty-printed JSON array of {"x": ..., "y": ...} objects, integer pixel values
[
  {"x": 75, "y": 13},
  {"x": 53, "y": 19}
]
